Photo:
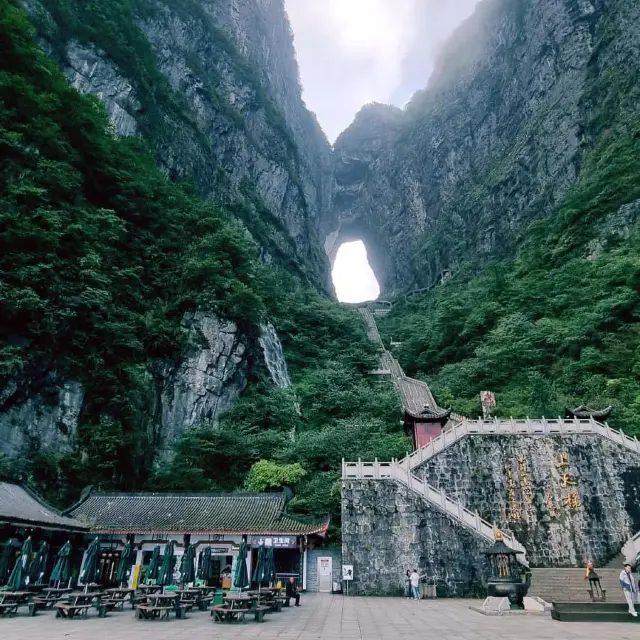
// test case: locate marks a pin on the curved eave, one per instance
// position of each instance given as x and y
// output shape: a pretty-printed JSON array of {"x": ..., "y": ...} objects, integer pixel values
[
  {"x": 434, "y": 416},
  {"x": 583, "y": 413}
]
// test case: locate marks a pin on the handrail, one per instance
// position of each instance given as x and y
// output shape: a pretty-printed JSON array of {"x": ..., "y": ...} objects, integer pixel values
[
  {"x": 453, "y": 508},
  {"x": 512, "y": 426}
]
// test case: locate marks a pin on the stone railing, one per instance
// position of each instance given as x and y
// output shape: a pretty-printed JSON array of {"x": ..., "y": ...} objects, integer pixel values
[
  {"x": 516, "y": 427},
  {"x": 391, "y": 471}
]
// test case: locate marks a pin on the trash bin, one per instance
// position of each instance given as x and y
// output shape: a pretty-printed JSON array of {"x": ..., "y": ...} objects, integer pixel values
[{"x": 337, "y": 587}]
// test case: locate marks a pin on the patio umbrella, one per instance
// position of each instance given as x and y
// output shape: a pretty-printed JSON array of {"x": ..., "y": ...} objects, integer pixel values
[
  {"x": 187, "y": 566},
  {"x": 205, "y": 565},
  {"x": 241, "y": 576},
  {"x": 62, "y": 568},
  {"x": 270, "y": 570},
  {"x": 258, "y": 572},
  {"x": 20, "y": 572},
  {"x": 89, "y": 569},
  {"x": 152, "y": 570},
  {"x": 125, "y": 563},
  {"x": 165, "y": 575},
  {"x": 38, "y": 567}
]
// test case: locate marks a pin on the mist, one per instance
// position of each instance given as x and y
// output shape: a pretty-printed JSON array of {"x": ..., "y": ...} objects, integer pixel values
[{"x": 352, "y": 52}]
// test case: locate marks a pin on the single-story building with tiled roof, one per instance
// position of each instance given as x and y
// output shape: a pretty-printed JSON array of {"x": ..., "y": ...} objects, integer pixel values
[
  {"x": 21, "y": 508},
  {"x": 217, "y": 520}
]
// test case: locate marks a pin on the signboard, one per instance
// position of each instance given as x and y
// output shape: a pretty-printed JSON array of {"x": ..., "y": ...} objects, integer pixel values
[
  {"x": 488, "y": 400},
  {"x": 277, "y": 542},
  {"x": 220, "y": 551},
  {"x": 347, "y": 572}
]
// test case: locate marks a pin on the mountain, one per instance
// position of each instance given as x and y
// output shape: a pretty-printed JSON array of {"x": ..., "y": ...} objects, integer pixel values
[
  {"x": 519, "y": 97},
  {"x": 171, "y": 210},
  {"x": 153, "y": 284}
]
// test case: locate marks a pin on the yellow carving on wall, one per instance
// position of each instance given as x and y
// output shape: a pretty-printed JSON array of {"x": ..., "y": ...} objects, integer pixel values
[{"x": 572, "y": 500}]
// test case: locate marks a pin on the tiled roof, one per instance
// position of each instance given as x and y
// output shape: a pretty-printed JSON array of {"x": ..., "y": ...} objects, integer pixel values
[
  {"x": 252, "y": 513},
  {"x": 20, "y": 506},
  {"x": 583, "y": 412},
  {"x": 430, "y": 415}
]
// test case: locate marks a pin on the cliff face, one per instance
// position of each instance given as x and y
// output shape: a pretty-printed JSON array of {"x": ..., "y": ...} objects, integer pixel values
[
  {"x": 495, "y": 140},
  {"x": 218, "y": 98}
]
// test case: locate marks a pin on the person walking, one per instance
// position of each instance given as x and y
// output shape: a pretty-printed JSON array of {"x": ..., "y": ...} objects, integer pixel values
[
  {"x": 407, "y": 585},
  {"x": 629, "y": 589},
  {"x": 414, "y": 578}
]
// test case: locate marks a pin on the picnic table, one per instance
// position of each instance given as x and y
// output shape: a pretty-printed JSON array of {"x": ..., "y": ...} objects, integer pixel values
[
  {"x": 11, "y": 600},
  {"x": 235, "y": 607},
  {"x": 116, "y": 597},
  {"x": 205, "y": 596},
  {"x": 76, "y": 604},
  {"x": 159, "y": 605}
]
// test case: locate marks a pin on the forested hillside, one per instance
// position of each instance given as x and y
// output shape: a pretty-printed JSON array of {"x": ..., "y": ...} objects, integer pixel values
[
  {"x": 558, "y": 326},
  {"x": 101, "y": 257}
]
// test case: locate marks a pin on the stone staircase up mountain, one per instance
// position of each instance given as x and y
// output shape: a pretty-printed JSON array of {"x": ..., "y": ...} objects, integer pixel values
[
  {"x": 415, "y": 393},
  {"x": 569, "y": 585}
]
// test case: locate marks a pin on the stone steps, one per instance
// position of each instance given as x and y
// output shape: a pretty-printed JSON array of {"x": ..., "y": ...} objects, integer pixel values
[
  {"x": 569, "y": 585},
  {"x": 593, "y": 612}
]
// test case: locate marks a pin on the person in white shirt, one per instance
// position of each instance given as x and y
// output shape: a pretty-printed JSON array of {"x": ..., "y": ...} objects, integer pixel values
[
  {"x": 629, "y": 589},
  {"x": 415, "y": 584}
]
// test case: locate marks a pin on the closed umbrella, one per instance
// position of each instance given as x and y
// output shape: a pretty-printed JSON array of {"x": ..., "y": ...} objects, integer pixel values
[
  {"x": 241, "y": 576},
  {"x": 38, "y": 567},
  {"x": 205, "y": 565},
  {"x": 62, "y": 568},
  {"x": 187, "y": 566},
  {"x": 270, "y": 571},
  {"x": 258, "y": 572},
  {"x": 152, "y": 570},
  {"x": 165, "y": 575},
  {"x": 19, "y": 575},
  {"x": 89, "y": 569},
  {"x": 124, "y": 563}
]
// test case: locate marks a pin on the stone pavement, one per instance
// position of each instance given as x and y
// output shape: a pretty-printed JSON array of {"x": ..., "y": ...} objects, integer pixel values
[{"x": 323, "y": 617}]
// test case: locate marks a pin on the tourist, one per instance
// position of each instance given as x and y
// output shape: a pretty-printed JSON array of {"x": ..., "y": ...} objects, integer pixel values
[
  {"x": 594, "y": 581},
  {"x": 629, "y": 589},
  {"x": 415, "y": 584},
  {"x": 292, "y": 591},
  {"x": 407, "y": 585}
]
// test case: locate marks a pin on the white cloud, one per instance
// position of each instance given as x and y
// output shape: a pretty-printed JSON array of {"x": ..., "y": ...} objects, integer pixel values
[{"x": 352, "y": 52}]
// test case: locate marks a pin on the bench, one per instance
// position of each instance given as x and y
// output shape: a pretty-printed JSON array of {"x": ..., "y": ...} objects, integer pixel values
[
  {"x": 260, "y": 611},
  {"x": 138, "y": 599},
  {"x": 8, "y": 608},
  {"x": 147, "y": 612},
  {"x": 40, "y": 604},
  {"x": 66, "y": 610},
  {"x": 224, "y": 614}
]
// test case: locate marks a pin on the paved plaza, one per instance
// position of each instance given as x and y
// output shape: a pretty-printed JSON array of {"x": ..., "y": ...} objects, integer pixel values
[{"x": 323, "y": 617}]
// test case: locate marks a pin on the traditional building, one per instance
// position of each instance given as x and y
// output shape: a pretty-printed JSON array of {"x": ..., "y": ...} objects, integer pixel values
[
  {"x": 219, "y": 521},
  {"x": 584, "y": 413},
  {"x": 23, "y": 514},
  {"x": 423, "y": 426}
]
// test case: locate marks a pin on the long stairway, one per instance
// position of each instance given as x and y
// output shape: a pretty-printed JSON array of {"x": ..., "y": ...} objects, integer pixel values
[
  {"x": 569, "y": 585},
  {"x": 416, "y": 395}
]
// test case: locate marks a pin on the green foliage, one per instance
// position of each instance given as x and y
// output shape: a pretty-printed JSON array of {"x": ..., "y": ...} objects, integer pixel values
[
  {"x": 334, "y": 409},
  {"x": 266, "y": 474},
  {"x": 101, "y": 256},
  {"x": 557, "y": 327}
]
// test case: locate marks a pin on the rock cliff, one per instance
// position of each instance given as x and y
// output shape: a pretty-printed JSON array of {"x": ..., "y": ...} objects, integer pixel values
[
  {"x": 495, "y": 140},
  {"x": 214, "y": 88}
]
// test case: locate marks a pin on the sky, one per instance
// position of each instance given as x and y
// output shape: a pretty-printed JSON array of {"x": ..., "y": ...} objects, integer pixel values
[{"x": 353, "y": 52}]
